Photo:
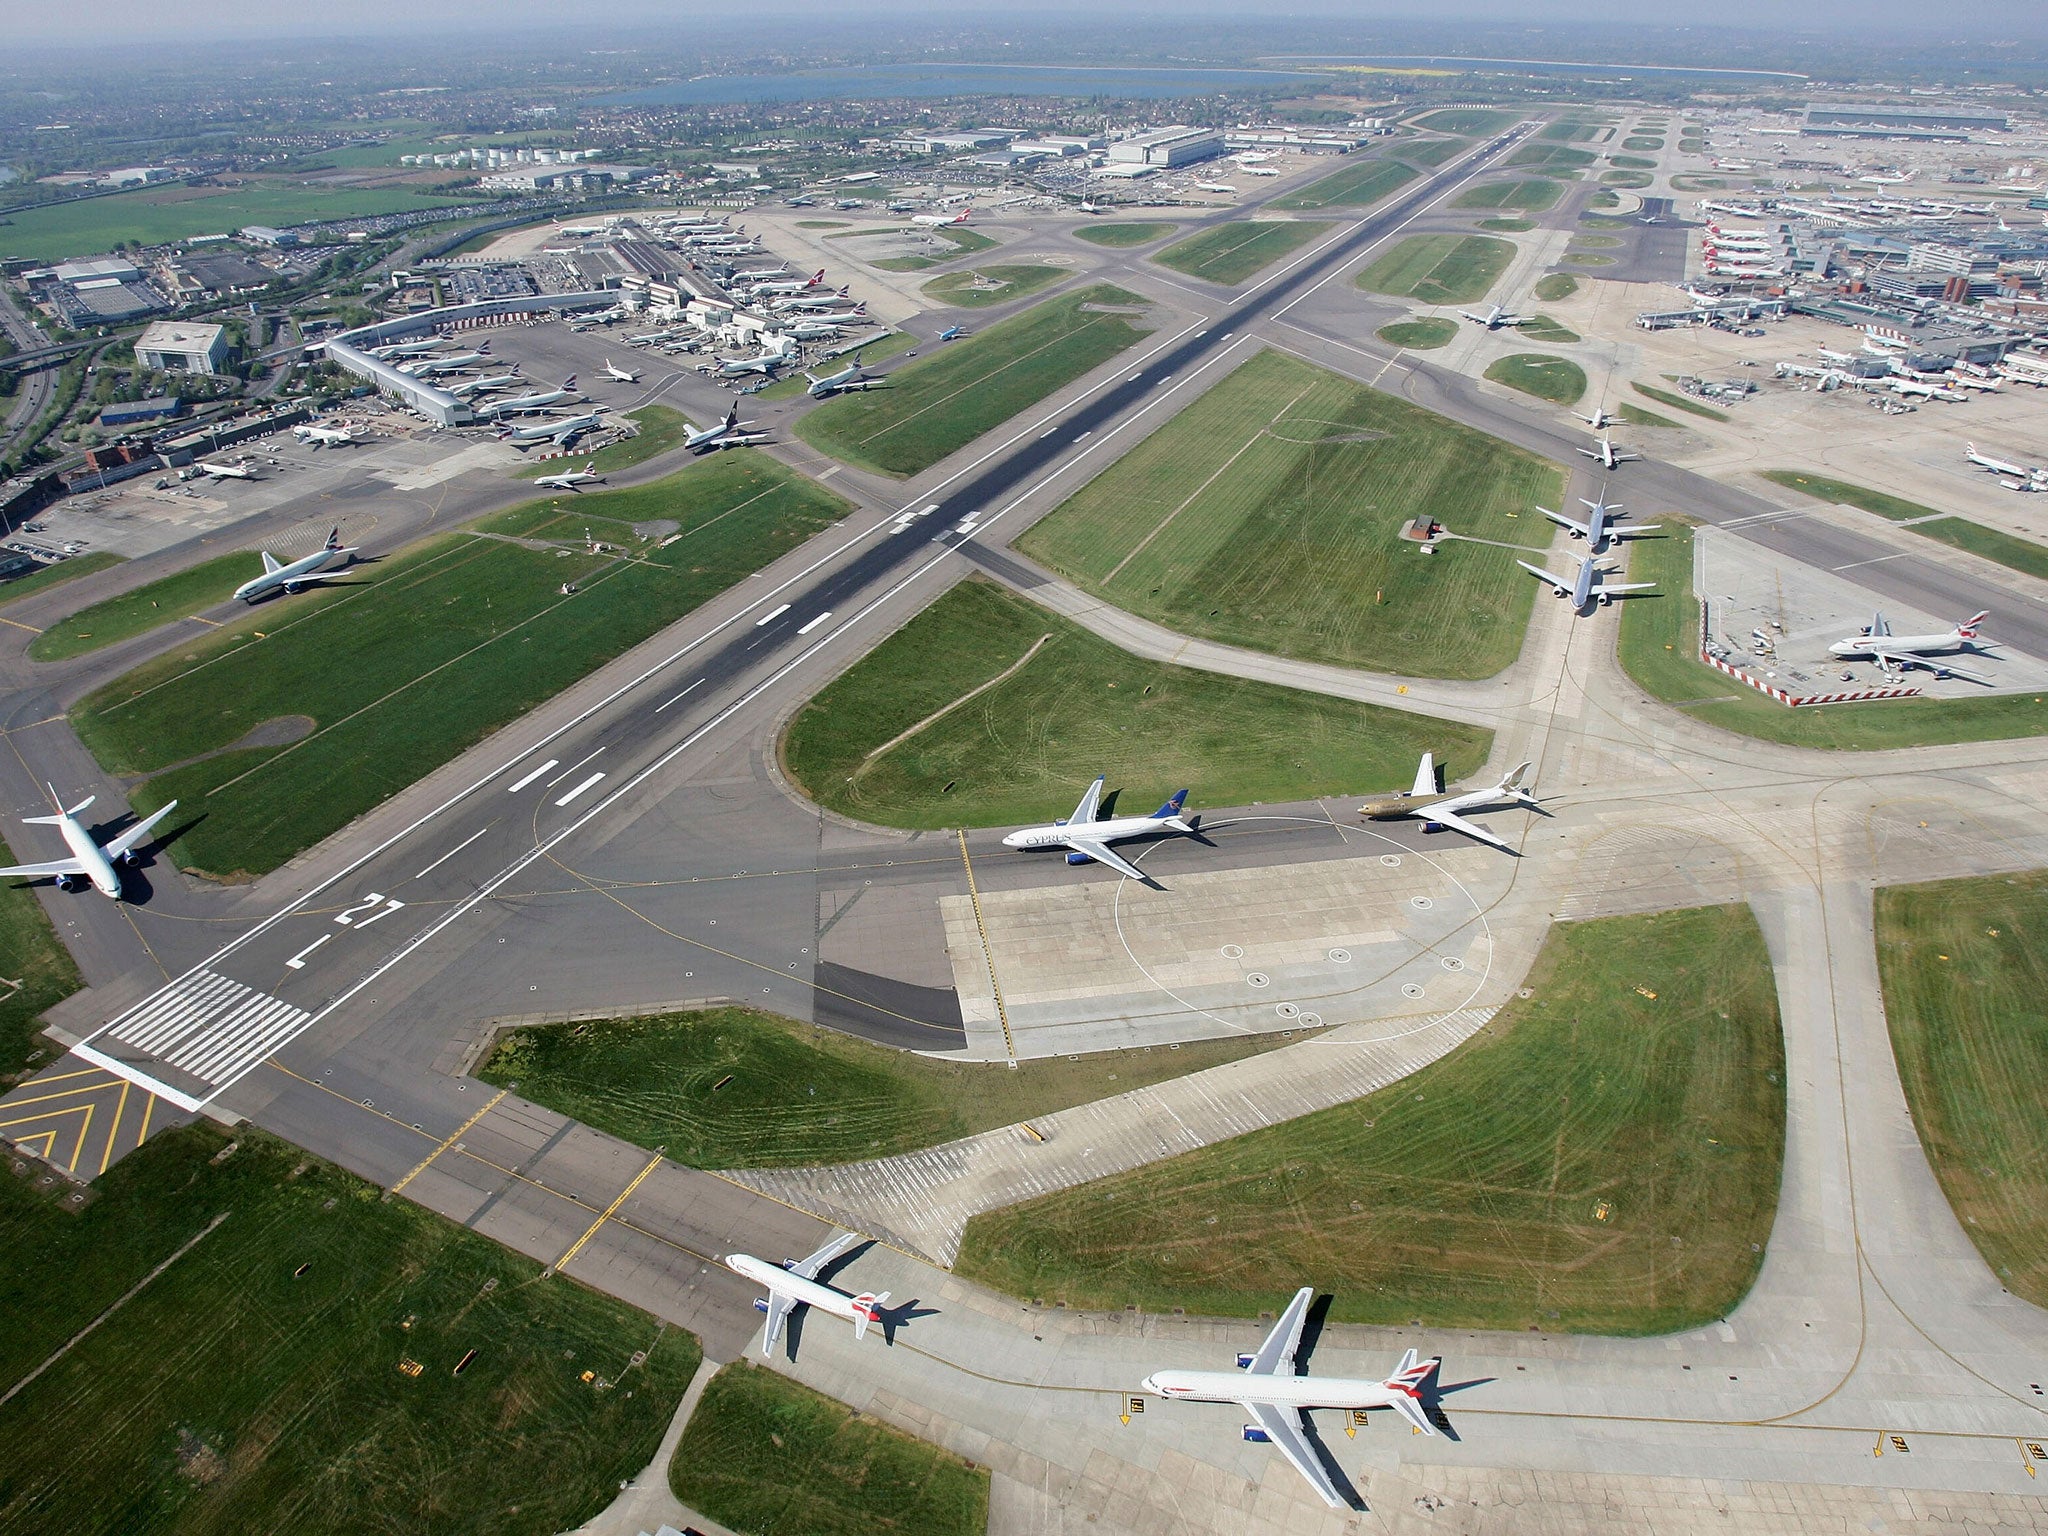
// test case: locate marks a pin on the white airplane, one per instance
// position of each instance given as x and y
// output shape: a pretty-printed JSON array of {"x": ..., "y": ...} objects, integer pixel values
[
  {"x": 580, "y": 231},
  {"x": 621, "y": 375},
  {"x": 1439, "y": 809},
  {"x": 1086, "y": 838},
  {"x": 1609, "y": 456},
  {"x": 1215, "y": 186},
  {"x": 1494, "y": 318},
  {"x": 324, "y": 437},
  {"x": 1599, "y": 419},
  {"x": 846, "y": 378},
  {"x": 2002, "y": 466},
  {"x": 762, "y": 274},
  {"x": 300, "y": 573},
  {"x": 858, "y": 315},
  {"x": 650, "y": 338},
  {"x": 1895, "y": 653},
  {"x": 940, "y": 221},
  {"x": 795, "y": 1284},
  {"x": 539, "y": 400},
  {"x": 560, "y": 431},
  {"x": 89, "y": 860},
  {"x": 763, "y": 363},
  {"x": 1266, "y": 1386},
  {"x": 815, "y": 301},
  {"x": 727, "y": 434},
  {"x": 470, "y": 387},
  {"x": 427, "y": 367},
  {"x": 1581, "y": 590},
  {"x": 406, "y": 349},
  {"x": 1600, "y": 525},
  {"x": 791, "y": 285},
  {"x": 813, "y": 330},
  {"x": 241, "y": 469},
  {"x": 571, "y": 479},
  {"x": 1258, "y": 170}
]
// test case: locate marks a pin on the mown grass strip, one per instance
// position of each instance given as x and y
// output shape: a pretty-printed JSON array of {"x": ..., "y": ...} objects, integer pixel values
[
  {"x": 1358, "y": 185},
  {"x": 1555, "y": 379},
  {"x": 177, "y": 596},
  {"x": 1440, "y": 269},
  {"x": 1230, "y": 253},
  {"x": 1123, "y": 236},
  {"x": 1676, "y": 401},
  {"x": 56, "y": 575}
]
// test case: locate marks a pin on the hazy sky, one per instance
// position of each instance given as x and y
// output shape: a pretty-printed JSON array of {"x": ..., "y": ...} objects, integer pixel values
[{"x": 104, "y": 21}]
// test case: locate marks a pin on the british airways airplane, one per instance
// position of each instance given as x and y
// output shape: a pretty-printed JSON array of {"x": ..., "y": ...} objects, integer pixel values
[
  {"x": 796, "y": 1284},
  {"x": 1087, "y": 839}
]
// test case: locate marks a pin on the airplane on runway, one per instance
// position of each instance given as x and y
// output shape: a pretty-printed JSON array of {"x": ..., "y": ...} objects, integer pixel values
[
  {"x": 324, "y": 437},
  {"x": 621, "y": 375},
  {"x": 1581, "y": 589},
  {"x": 539, "y": 400},
  {"x": 241, "y": 469},
  {"x": 496, "y": 381},
  {"x": 89, "y": 860},
  {"x": 951, "y": 333},
  {"x": 1609, "y": 456},
  {"x": 848, "y": 377},
  {"x": 560, "y": 431},
  {"x": 1439, "y": 808},
  {"x": 571, "y": 479},
  {"x": 940, "y": 221},
  {"x": 1494, "y": 318},
  {"x": 795, "y": 1284},
  {"x": 1600, "y": 524},
  {"x": 1265, "y": 1386},
  {"x": 1086, "y": 838},
  {"x": 727, "y": 434},
  {"x": 300, "y": 573},
  {"x": 1897, "y": 653}
]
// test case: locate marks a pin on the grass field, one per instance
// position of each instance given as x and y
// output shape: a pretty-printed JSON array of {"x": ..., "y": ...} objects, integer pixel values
[
  {"x": 1632, "y": 162},
  {"x": 1471, "y": 122},
  {"x": 1957, "y": 532},
  {"x": 1965, "y": 971},
  {"x": 1660, "y": 647},
  {"x": 159, "y": 215},
  {"x": 1602, "y": 1158},
  {"x": 1268, "y": 513},
  {"x": 1545, "y": 329},
  {"x": 1636, "y": 416},
  {"x": 1531, "y": 194},
  {"x": 1555, "y": 379},
  {"x": 1823, "y": 488},
  {"x": 262, "y": 1381},
  {"x": 1507, "y": 226},
  {"x": 1419, "y": 335},
  {"x": 1676, "y": 401},
  {"x": 767, "y": 1456},
  {"x": 1550, "y": 157},
  {"x": 1644, "y": 143},
  {"x": 39, "y": 970},
  {"x": 943, "y": 402},
  {"x": 979, "y": 287},
  {"x": 732, "y": 1088},
  {"x": 1122, "y": 236},
  {"x": 177, "y": 596},
  {"x": 1230, "y": 253},
  {"x": 1553, "y": 286},
  {"x": 1630, "y": 180},
  {"x": 661, "y": 428},
  {"x": 1358, "y": 185},
  {"x": 1568, "y": 131},
  {"x": 822, "y": 223},
  {"x": 56, "y": 575},
  {"x": 1440, "y": 269},
  {"x": 436, "y": 647},
  {"x": 1432, "y": 152},
  {"x": 1009, "y": 754}
]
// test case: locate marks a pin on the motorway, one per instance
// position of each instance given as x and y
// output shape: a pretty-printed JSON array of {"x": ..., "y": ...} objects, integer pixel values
[{"x": 628, "y": 845}]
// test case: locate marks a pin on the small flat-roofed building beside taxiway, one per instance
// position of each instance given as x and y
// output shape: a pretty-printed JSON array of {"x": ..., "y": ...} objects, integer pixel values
[{"x": 177, "y": 346}]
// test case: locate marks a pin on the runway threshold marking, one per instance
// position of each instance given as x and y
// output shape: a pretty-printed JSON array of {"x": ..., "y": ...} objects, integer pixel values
[
  {"x": 454, "y": 1136},
  {"x": 609, "y": 1211},
  {"x": 987, "y": 954},
  {"x": 579, "y": 789},
  {"x": 513, "y": 789},
  {"x": 814, "y": 623}
]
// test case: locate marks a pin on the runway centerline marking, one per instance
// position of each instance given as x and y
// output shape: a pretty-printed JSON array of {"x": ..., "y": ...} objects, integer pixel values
[
  {"x": 572, "y": 768},
  {"x": 298, "y": 961},
  {"x": 684, "y": 694},
  {"x": 479, "y": 832}
]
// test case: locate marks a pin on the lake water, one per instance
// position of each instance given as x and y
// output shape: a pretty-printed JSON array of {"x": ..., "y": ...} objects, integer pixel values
[{"x": 934, "y": 80}]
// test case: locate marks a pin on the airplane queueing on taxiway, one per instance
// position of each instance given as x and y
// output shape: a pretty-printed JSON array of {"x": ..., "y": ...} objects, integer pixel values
[
  {"x": 1600, "y": 418},
  {"x": 572, "y": 479},
  {"x": 89, "y": 860},
  {"x": 621, "y": 375},
  {"x": 1896, "y": 653},
  {"x": 1087, "y": 839},
  {"x": 241, "y": 469},
  {"x": 1439, "y": 809},
  {"x": 1265, "y": 1386},
  {"x": 1600, "y": 524},
  {"x": 726, "y": 434},
  {"x": 1607, "y": 455},
  {"x": 795, "y": 1283},
  {"x": 951, "y": 333},
  {"x": 1581, "y": 590},
  {"x": 297, "y": 575},
  {"x": 848, "y": 377},
  {"x": 1494, "y": 318},
  {"x": 324, "y": 437}
]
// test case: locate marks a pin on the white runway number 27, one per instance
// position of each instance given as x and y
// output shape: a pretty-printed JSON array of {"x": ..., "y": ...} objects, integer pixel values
[{"x": 347, "y": 919}]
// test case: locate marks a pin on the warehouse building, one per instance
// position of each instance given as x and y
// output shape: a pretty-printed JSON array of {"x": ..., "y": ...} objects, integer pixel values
[
  {"x": 1167, "y": 147},
  {"x": 175, "y": 346}
]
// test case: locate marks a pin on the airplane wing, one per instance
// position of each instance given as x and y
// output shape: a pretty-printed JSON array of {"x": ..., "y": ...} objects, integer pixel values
[
  {"x": 42, "y": 871},
  {"x": 1091, "y": 800},
  {"x": 808, "y": 1268},
  {"x": 1550, "y": 576},
  {"x": 1904, "y": 659},
  {"x": 1283, "y": 1428},
  {"x": 1624, "y": 586},
  {"x": 134, "y": 836},
  {"x": 780, "y": 1306},
  {"x": 1276, "y": 1355},
  {"x": 1101, "y": 854},
  {"x": 1567, "y": 522},
  {"x": 1425, "y": 775},
  {"x": 1451, "y": 819}
]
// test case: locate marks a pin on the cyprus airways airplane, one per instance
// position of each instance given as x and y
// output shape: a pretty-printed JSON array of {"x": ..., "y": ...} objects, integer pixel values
[
  {"x": 1265, "y": 1386},
  {"x": 795, "y": 1284},
  {"x": 89, "y": 860},
  {"x": 300, "y": 573},
  {"x": 1087, "y": 839}
]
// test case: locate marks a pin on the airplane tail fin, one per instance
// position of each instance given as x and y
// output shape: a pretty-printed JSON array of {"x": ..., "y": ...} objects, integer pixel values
[
  {"x": 867, "y": 1310},
  {"x": 569, "y": 382},
  {"x": 732, "y": 417},
  {"x": 334, "y": 537},
  {"x": 1968, "y": 628},
  {"x": 271, "y": 564},
  {"x": 1511, "y": 785},
  {"x": 62, "y": 811},
  {"x": 484, "y": 347},
  {"x": 1171, "y": 810},
  {"x": 1404, "y": 1389}
]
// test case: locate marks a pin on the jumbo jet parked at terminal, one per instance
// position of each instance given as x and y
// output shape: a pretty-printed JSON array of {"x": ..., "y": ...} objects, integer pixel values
[
  {"x": 1087, "y": 840},
  {"x": 1897, "y": 653},
  {"x": 1266, "y": 1387},
  {"x": 1607, "y": 455},
  {"x": 795, "y": 1283},
  {"x": 427, "y": 367},
  {"x": 763, "y": 362},
  {"x": 572, "y": 479},
  {"x": 241, "y": 469},
  {"x": 324, "y": 437},
  {"x": 299, "y": 574},
  {"x": 1439, "y": 809},
  {"x": 496, "y": 381},
  {"x": 621, "y": 375},
  {"x": 406, "y": 349},
  {"x": 790, "y": 285},
  {"x": 1600, "y": 524},
  {"x": 1582, "y": 589},
  {"x": 89, "y": 860}
]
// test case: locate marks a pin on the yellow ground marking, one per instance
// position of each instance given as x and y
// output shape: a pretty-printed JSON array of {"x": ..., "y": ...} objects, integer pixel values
[
  {"x": 29, "y": 627},
  {"x": 148, "y": 1109},
  {"x": 609, "y": 1211},
  {"x": 62, "y": 1077},
  {"x": 120, "y": 1109},
  {"x": 45, "y": 1114},
  {"x": 454, "y": 1136},
  {"x": 987, "y": 954},
  {"x": 48, "y": 1138},
  {"x": 61, "y": 1093},
  {"x": 209, "y": 623},
  {"x": 84, "y": 1130}
]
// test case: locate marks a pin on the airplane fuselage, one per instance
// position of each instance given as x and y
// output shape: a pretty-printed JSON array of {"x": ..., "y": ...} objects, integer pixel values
[
  {"x": 807, "y": 1293},
  {"x": 1399, "y": 807},
  {"x": 98, "y": 867},
  {"x": 1281, "y": 1391},
  {"x": 284, "y": 577},
  {"x": 1110, "y": 831}
]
